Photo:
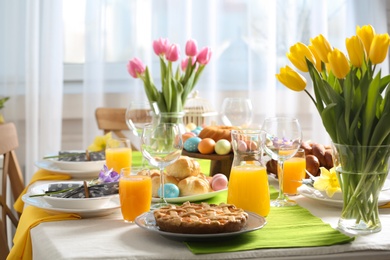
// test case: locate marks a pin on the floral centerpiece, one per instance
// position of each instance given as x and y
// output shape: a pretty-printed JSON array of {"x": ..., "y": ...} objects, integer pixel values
[
  {"x": 177, "y": 84},
  {"x": 352, "y": 98}
]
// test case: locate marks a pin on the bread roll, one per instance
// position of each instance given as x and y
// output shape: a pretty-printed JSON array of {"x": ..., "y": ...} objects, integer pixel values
[
  {"x": 183, "y": 168},
  {"x": 193, "y": 185}
]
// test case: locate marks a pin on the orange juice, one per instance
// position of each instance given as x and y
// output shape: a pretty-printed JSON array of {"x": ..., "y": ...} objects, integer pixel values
[
  {"x": 135, "y": 194},
  {"x": 294, "y": 172},
  {"x": 248, "y": 188},
  {"x": 118, "y": 158}
]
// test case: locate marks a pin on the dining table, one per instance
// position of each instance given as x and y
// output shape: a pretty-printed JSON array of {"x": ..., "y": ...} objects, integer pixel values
[{"x": 296, "y": 232}]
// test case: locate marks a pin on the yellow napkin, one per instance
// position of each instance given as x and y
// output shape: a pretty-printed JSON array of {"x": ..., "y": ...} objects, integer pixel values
[
  {"x": 40, "y": 175},
  {"x": 30, "y": 218},
  {"x": 387, "y": 205}
]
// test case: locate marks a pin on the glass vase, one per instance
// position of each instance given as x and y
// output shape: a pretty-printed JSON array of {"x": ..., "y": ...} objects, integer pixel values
[
  {"x": 361, "y": 171},
  {"x": 173, "y": 117}
]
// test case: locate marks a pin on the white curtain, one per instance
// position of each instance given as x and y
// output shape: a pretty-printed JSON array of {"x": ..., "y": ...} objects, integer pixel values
[
  {"x": 249, "y": 39},
  {"x": 32, "y": 75}
]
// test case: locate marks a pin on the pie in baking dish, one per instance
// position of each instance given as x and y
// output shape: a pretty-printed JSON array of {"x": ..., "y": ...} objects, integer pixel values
[{"x": 203, "y": 218}]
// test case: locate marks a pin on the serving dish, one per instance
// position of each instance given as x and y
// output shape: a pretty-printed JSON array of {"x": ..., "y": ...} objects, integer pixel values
[
  {"x": 192, "y": 198},
  {"x": 147, "y": 221},
  {"x": 335, "y": 201},
  {"x": 71, "y": 203},
  {"x": 39, "y": 202}
]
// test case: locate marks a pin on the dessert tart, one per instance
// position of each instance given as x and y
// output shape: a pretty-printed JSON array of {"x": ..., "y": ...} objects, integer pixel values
[{"x": 203, "y": 218}]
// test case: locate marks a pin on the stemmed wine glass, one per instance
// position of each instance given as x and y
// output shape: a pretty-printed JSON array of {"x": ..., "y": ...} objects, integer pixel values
[
  {"x": 140, "y": 113},
  {"x": 282, "y": 137},
  {"x": 237, "y": 112},
  {"x": 161, "y": 145}
]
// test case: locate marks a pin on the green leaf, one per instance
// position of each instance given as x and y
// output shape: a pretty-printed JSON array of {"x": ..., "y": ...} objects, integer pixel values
[
  {"x": 317, "y": 84},
  {"x": 163, "y": 70},
  {"x": 370, "y": 109},
  {"x": 2, "y": 101},
  {"x": 328, "y": 117},
  {"x": 150, "y": 88},
  {"x": 187, "y": 88}
]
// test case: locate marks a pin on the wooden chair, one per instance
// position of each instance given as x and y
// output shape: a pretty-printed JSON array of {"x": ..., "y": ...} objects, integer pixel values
[
  {"x": 112, "y": 120},
  {"x": 11, "y": 174}
]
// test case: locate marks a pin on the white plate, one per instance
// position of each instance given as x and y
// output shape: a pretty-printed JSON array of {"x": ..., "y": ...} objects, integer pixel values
[
  {"x": 72, "y": 203},
  {"x": 81, "y": 174},
  {"x": 147, "y": 222},
  {"x": 39, "y": 202},
  {"x": 190, "y": 198},
  {"x": 79, "y": 166},
  {"x": 312, "y": 193},
  {"x": 76, "y": 166}
]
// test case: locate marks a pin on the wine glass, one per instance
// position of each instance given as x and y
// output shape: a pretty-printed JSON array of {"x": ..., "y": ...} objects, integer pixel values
[
  {"x": 282, "y": 137},
  {"x": 161, "y": 145},
  {"x": 140, "y": 113},
  {"x": 237, "y": 112}
]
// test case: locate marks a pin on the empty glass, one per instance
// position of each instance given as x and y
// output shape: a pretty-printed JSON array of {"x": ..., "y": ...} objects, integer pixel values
[{"x": 237, "y": 112}]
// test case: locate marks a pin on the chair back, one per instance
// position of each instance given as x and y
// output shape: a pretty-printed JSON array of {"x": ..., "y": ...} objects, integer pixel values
[
  {"x": 11, "y": 175},
  {"x": 112, "y": 120}
]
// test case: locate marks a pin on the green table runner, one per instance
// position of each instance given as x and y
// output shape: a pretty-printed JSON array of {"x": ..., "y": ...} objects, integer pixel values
[{"x": 286, "y": 227}]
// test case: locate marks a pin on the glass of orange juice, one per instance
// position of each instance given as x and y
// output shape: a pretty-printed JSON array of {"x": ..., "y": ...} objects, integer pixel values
[
  {"x": 294, "y": 172},
  {"x": 118, "y": 154},
  {"x": 248, "y": 181},
  {"x": 135, "y": 194}
]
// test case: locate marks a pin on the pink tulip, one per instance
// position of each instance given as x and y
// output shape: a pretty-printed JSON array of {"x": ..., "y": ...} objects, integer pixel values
[
  {"x": 160, "y": 46},
  {"x": 191, "y": 48},
  {"x": 184, "y": 63},
  {"x": 173, "y": 53},
  {"x": 135, "y": 67},
  {"x": 204, "y": 56}
]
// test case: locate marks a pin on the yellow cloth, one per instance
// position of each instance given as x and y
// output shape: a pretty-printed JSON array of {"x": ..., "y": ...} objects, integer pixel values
[
  {"x": 387, "y": 205},
  {"x": 30, "y": 218},
  {"x": 40, "y": 175}
]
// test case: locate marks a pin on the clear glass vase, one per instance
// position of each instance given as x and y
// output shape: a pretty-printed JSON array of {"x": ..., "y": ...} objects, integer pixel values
[
  {"x": 173, "y": 117},
  {"x": 362, "y": 171}
]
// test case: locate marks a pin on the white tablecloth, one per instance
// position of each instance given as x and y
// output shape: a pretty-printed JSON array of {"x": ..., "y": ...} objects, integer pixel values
[{"x": 110, "y": 237}]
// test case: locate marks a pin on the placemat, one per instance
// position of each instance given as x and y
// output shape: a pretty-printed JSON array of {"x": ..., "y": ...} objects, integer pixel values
[{"x": 286, "y": 227}]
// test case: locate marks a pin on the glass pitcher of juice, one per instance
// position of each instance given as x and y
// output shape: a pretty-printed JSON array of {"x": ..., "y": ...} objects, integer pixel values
[{"x": 248, "y": 181}]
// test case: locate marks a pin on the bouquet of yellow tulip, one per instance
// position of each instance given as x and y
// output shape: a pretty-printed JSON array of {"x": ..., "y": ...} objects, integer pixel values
[{"x": 353, "y": 101}]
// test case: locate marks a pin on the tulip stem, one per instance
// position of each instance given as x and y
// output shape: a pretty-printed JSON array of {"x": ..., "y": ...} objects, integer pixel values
[{"x": 311, "y": 97}]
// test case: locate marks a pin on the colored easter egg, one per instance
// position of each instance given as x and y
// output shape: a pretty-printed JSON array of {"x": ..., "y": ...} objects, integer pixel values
[
  {"x": 241, "y": 146},
  {"x": 191, "y": 145},
  {"x": 219, "y": 182},
  {"x": 191, "y": 126},
  {"x": 170, "y": 190},
  {"x": 206, "y": 146},
  {"x": 223, "y": 147},
  {"x": 196, "y": 131},
  {"x": 187, "y": 135}
]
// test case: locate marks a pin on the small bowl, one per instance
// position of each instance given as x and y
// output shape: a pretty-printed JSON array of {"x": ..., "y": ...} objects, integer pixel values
[{"x": 73, "y": 203}]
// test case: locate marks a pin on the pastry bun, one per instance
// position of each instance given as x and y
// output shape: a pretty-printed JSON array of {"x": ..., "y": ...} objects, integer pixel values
[
  {"x": 193, "y": 185},
  {"x": 183, "y": 168}
]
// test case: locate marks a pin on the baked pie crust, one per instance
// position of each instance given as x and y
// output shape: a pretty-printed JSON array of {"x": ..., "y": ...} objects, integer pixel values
[{"x": 203, "y": 218}]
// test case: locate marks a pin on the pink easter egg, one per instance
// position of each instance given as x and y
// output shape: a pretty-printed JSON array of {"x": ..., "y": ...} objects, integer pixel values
[
  {"x": 219, "y": 182},
  {"x": 241, "y": 146}
]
